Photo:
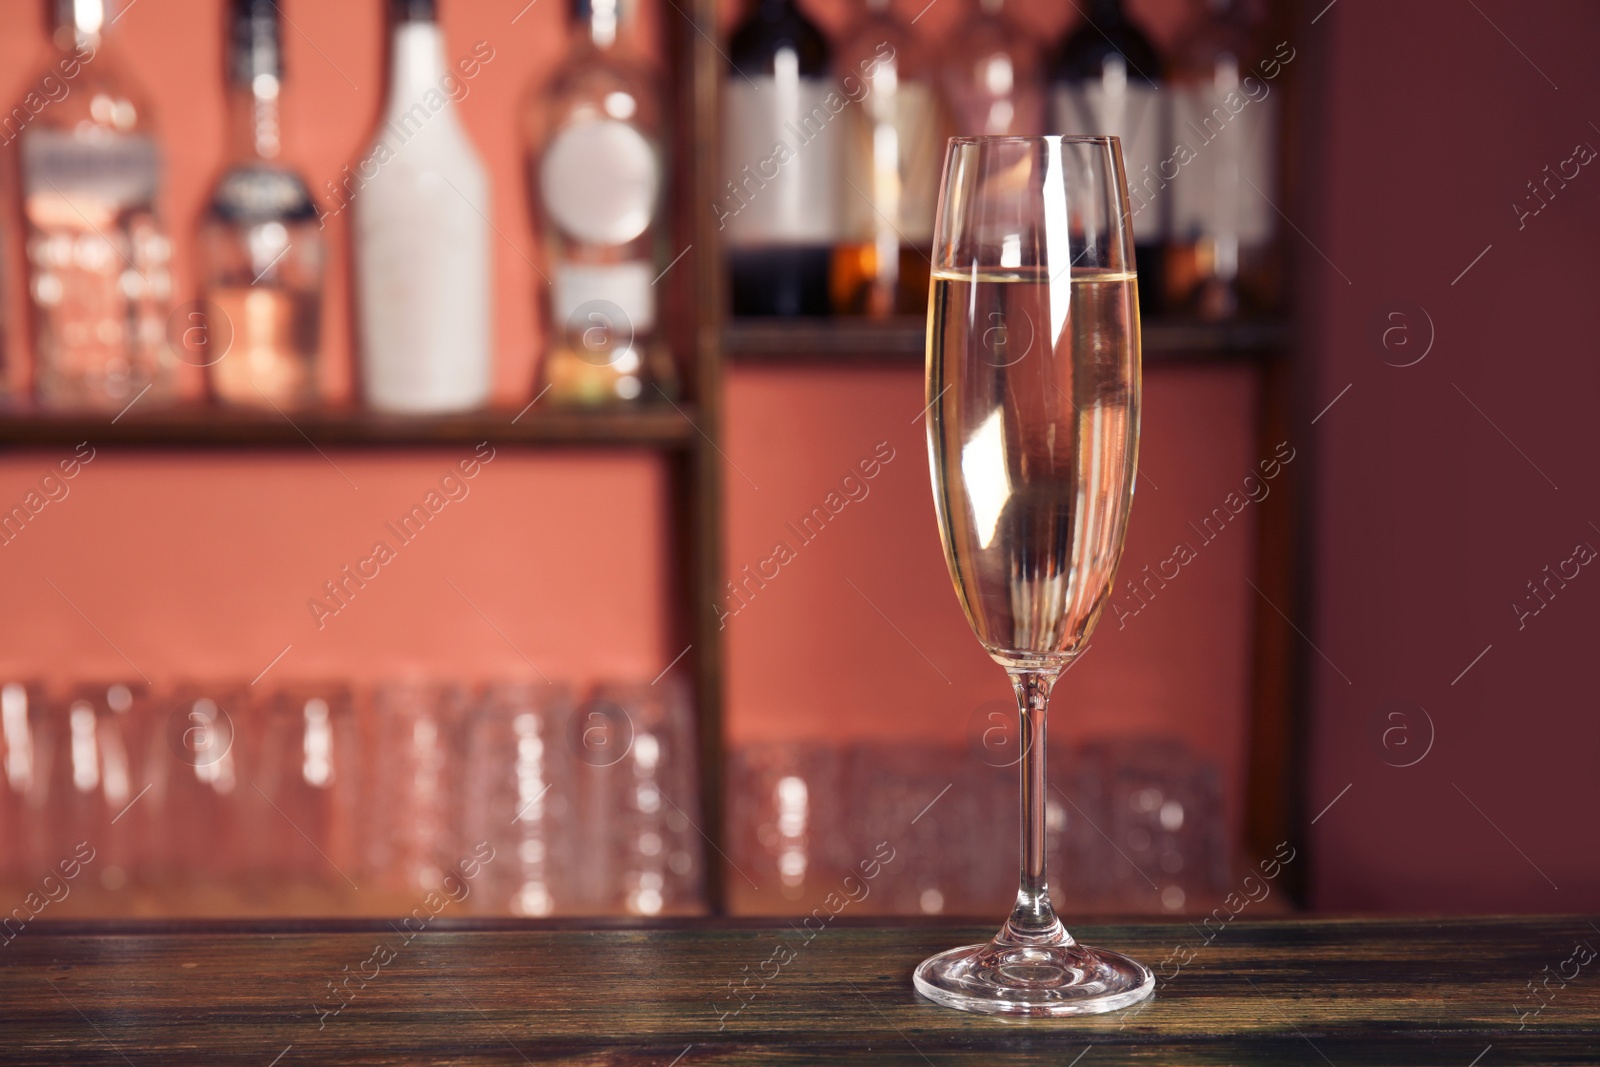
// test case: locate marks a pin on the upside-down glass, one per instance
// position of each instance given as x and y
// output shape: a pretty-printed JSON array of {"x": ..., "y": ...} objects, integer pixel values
[{"x": 1033, "y": 427}]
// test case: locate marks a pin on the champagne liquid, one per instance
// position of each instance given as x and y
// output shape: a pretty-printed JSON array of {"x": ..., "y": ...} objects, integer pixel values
[{"x": 1033, "y": 445}]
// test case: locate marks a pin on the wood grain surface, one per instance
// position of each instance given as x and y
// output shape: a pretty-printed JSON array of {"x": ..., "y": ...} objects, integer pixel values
[{"x": 1450, "y": 992}]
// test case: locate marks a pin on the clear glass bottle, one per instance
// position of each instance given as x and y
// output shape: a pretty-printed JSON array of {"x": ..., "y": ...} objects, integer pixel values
[
  {"x": 261, "y": 245},
  {"x": 98, "y": 254},
  {"x": 1107, "y": 78},
  {"x": 991, "y": 72},
  {"x": 893, "y": 150},
  {"x": 421, "y": 200},
  {"x": 1219, "y": 261},
  {"x": 596, "y": 171},
  {"x": 778, "y": 210}
]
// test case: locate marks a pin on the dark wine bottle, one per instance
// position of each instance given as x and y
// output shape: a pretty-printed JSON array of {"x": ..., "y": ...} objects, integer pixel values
[
  {"x": 1107, "y": 78},
  {"x": 779, "y": 208}
]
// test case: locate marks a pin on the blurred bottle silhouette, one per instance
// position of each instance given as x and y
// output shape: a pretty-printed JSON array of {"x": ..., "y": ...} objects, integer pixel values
[
  {"x": 993, "y": 76},
  {"x": 1107, "y": 78},
  {"x": 894, "y": 135},
  {"x": 636, "y": 744},
  {"x": 261, "y": 245},
  {"x": 519, "y": 797},
  {"x": 99, "y": 257},
  {"x": 421, "y": 202},
  {"x": 597, "y": 173},
  {"x": 1222, "y": 222},
  {"x": 779, "y": 210},
  {"x": 105, "y": 760}
]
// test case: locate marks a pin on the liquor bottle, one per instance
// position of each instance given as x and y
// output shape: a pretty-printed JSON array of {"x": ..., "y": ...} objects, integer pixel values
[
  {"x": 261, "y": 246},
  {"x": 779, "y": 209},
  {"x": 98, "y": 255},
  {"x": 1106, "y": 78},
  {"x": 1222, "y": 222},
  {"x": 894, "y": 132},
  {"x": 596, "y": 177},
  {"x": 991, "y": 73},
  {"x": 421, "y": 202}
]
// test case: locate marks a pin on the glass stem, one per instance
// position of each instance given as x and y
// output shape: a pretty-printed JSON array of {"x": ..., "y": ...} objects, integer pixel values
[{"x": 1033, "y": 920}]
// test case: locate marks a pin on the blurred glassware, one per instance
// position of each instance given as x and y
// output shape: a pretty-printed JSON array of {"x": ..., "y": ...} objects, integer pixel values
[
  {"x": 412, "y": 805},
  {"x": 637, "y": 745},
  {"x": 98, "y": 253},
  {"x": 199, "y": 831},
  {"x": 786, "y": 820},
  {"x": 25, "y": 786},
  {"x": 261, "y": 242},
  {"x": 306, "y": 762},
  {"x": 993, "y": 75},
  {"x": 520, "y": 797},
  {"x": 109, "y": 732},
  {"x": 1166, "y": 842},
  {"x": 893, "y": 137}
]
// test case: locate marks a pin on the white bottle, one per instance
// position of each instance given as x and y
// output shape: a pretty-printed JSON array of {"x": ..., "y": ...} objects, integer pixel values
[{"x": 421, "y": 200}]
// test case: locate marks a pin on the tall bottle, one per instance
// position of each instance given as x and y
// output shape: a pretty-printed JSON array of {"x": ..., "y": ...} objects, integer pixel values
[
  {"x": 1222, "y": 223},
  {"x": 1106, "y": 78},
  {"x": 596, "y": 177},
  {"x": 894, "y": 132},
  {"x": 262, "y": 250},
  {"x": 421, "y": 202},
  {"x": 779, "y": 208},
  {"x": 99, "y": 258},
  {"x": 992, "y": 76}
]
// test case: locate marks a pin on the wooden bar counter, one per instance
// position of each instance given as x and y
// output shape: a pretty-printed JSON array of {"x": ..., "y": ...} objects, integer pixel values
[{"x": 1459, "y": 992}]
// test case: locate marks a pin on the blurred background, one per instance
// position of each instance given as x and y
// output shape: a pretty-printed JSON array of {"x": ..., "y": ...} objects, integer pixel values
[{"x": 430, "y": 426}]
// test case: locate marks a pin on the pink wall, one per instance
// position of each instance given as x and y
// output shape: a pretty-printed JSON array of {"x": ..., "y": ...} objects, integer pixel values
[
  {"x": 1433, "y": 514},
  {"x": 202, "y": 567}
]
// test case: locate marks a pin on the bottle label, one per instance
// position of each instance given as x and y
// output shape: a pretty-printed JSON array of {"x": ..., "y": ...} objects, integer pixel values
[
  {"x": 781, "y": 155},
  {"x": 110, "y": 170},
  {"x": 1132, "y": 110},
  {"x": 1218, "y": 153},
  {"x": 600, "y": 182},
  {"x": 615, "y": 297},
  {"x": 893, "y": 146}
]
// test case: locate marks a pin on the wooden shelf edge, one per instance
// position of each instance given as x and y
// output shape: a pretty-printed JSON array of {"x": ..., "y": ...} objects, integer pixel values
[
  {"x": 662, "y": 426},
  {"x": 901, "y": 341}
]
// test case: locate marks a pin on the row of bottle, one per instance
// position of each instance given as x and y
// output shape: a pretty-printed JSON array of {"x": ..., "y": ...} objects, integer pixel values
[
  {"x": 106, "y": 327},
  {"x": 833, "y": 153},
  {"x": 372, "y": 795}
]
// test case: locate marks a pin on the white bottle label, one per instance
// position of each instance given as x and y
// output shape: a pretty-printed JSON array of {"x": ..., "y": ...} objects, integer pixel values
[
  {"x": 110, "y": 171},
  {"x": 1132, "y": 110},
  {"x": 893, "y": 146},
  {"x": 1223, "y": 143},
  {"x": 582, "y": 291},
  {"x": 599, "y": 181},
  {"x": 781, "y": 155}
]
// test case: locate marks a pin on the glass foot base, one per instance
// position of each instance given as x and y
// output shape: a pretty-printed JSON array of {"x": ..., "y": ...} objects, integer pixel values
[{"x": 1065, "y": 979}]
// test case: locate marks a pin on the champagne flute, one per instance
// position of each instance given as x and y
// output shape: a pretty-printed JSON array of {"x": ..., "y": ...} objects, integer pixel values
[{"x": 1033, "y": 427}]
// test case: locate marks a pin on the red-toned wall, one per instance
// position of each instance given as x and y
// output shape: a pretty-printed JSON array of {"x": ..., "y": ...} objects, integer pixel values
[{"x": 1448, "y": 485}]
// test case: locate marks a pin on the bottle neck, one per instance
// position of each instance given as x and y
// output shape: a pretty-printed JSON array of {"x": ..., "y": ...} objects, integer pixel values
[
  {"x": 416, "y": 62},
  {"x": 596, "y": 22},
  {"x": 255, "y": 134},
  {"x": 79, "y": 24},
  {"x": 1103, "y": 11}
]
